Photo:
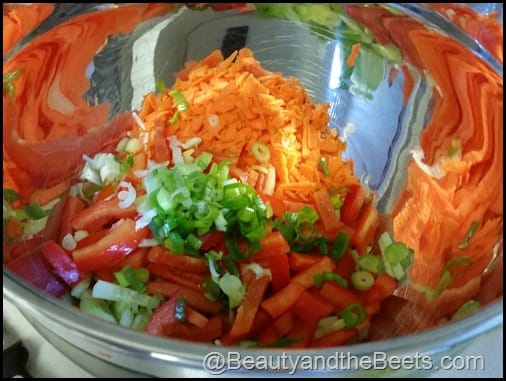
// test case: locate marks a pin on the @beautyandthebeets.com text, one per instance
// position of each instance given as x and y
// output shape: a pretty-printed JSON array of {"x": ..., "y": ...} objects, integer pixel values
[{"x": 216, "y": 363}]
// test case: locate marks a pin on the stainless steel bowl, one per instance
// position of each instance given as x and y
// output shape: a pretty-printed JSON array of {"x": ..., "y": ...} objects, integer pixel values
[{"x": 126, "y": 68}]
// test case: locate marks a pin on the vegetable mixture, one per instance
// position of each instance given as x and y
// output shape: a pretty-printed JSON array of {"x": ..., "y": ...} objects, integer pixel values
[{"x": 224, "y": 214}]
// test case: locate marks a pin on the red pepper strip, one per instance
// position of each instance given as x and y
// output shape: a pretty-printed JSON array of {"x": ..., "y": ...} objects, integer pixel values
[
  {"x": 94, "y": 217},
  {"x": 121, "y": 239},
  {"x": 135, "y": 260},
  {"x": 62, "y": 263},
  {"x": 163, "y": 316},
  {"x": 260, "y": 321},
  {"x": 311, "y": 308},
  {"x": 72, "y": 205},
  {"x": 384, "y": 286},
  {"x": 34, "y": 270},
  {"x": 249, "y": 307},
  {"x": 183, "y": 278},
  {"x": 283, "y": 300},
  {"x": 352, "y": 205},
  {"x": 299, "y": 261},
  {"x": 302, "y": 333},
  {"x": 278, "y": 328},
  {"x": 274, "y": 250},
  {"x": 212, "y": 330},
  {"x": 365, "y": 229},
  {"x": 192, "y": 297},
  {"x": 338, "y": 295},
  {"x": 212, "y": 240},
  {"x": 182, "y": 262},
  {"x": 346, "y": 266},
  {"x": 336, "y": 338},
  {"x": 277, "y": 205},
  {"x": 306, "y": 278},
  {"x": 326, "y": 211},
  {"x": 195, "y": 318}
]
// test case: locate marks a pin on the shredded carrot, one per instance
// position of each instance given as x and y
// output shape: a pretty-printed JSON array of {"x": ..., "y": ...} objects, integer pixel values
[
  {"x": 232, "y": 103},
  {"x": 352, "y": 58}
]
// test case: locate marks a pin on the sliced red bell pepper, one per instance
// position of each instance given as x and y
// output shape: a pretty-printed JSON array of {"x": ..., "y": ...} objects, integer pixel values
[
  {"x": 336, "y": 338},
  {"x": 135, "y": 260},
  {"x": 212, "y": 240},
  {"x": 277, "y": 205},
  {"x": 274, "y": 250},
  {"x": 62, "y": 263},
  {"x": 195, "y": 318},
  {"x": 366, "y": 228},
  {"x": 326, "y": 211},
  {"x": 305, "y": 278},
  {"x": 311, "y": 308},
  {"x": 299, "y": 261},
  {"x": 183, "y": 262},
  {"x": 71, "y": 207},
  {"x": 283, "y": 300},
  {"x": 36, "y": 271},
  {"x": 175, "y": 275},
  {"x": 192, "y": 297},
  {"x": 163, "y": 316},
  {"x": 247, "y": 310},
  {"x": 345, "y": 266},
  {"x": 352, "y": 205},
  {"x": 338, "y": 295},
  {"x": 260, "y": 321},
  {"x": 278, "y": 328},
  {"x": 94, "y": 217},
  {"x": 302, "y": 333},
  {"x": 212, "y": 330},
  {"x": 121, "y": 239},
  {"x": 384, "y": 286}
]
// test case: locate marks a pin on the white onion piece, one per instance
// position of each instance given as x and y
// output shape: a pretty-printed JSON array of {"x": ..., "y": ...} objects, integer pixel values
[
  {"x": 148, "y": 242},
  {"x": 270, "y": 181},
  {"x": 68, "y": 242},
  {"x": 177, "y": 153},
  {"x": 126, "y": 197},
  {"x": 145, "y": 219}
]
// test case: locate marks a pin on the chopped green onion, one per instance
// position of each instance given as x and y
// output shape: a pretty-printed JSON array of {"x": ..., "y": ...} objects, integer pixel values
[
  {"x": 339, "y": 246},
  {"x": 466, "y": 309},
  {"x": 319, "y": 278},
  {"x": 329, "y": 324},
  {"x": 11, "y": 195},
  {"x": 362, "y": 280},
  {"x": 179, "y": 99},
  {"x": 128, "y": 278},
  {"x": 397, "y": 257},
  {"x": 212, "y": 289},
  {"x": 371, "y": 263},
  {"x": 353, "y": 315},
  {"x": 110, "y": 291},
  {"x": 34, "y": 211},
  {"x": 261, "y": 152},
  {"x": 160, "y": 86},
  {"x": 457, "y": 261},
  {"x": 324, "y": 166},
  {"x": 180, "y": 310},
  {"x": 96, "y": 307},
  {"x": 469, "y": 235},
  {"x": 232, "y": 286}
]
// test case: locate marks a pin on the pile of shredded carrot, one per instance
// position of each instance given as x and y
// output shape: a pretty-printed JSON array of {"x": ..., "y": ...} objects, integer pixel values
[{"x": 234, "y": 103}]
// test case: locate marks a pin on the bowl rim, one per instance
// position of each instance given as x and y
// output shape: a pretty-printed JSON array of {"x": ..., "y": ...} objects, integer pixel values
[{"x": 441, "y": 338}]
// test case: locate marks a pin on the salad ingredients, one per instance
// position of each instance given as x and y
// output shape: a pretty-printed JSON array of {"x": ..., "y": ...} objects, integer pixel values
[{"x": 251, "y": 226}]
